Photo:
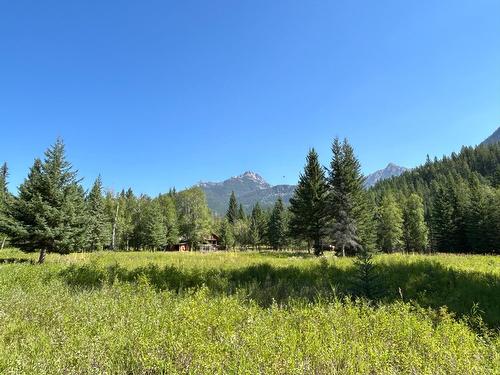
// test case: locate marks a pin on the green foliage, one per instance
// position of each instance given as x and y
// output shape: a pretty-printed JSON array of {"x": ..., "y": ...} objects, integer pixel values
[
  {"x": 226, "y": 235},
  {"x": 308, "y": 206},
  {"x": 194, "y": 215},
  {"x": 258, "y": 227},
  {"x": 241, "y": 213},
  {"x": 458, "y": 193},
  {"x": 348, "y": 201},
  {"x": 97, "y": 228},
  {"x": 390, "y": 224},
  {"x": 49, "y": 213},
  {"x": 169, "y": 217},
  {"x": 246, "y": 313},
  {"x": 415, "y": 229},
  {"x": 278, "y": 226},
  {"x": 232, "y": 211}
]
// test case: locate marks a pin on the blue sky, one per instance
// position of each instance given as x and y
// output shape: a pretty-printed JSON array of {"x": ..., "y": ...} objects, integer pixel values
[{"x": 154, "y": 94}]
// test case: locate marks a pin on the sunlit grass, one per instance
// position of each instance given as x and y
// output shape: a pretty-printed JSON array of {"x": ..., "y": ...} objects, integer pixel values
[{"x": 249, "y": 312}]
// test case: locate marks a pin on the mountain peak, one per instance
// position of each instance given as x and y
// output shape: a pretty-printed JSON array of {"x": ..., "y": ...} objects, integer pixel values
[
  {"x": 252, "y": 176},
  {"x": 495, "y": 137},
  {"x": 392, "y": 170}
]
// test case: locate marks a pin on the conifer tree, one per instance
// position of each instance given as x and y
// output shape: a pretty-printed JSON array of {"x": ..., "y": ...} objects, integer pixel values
[
  {"x": 277, "y": 227},
  {"x": 347, "y": 200},
  {"x": 226, "y": 235},
  {"x": 308, "y": 206},
  {"x": 390, "y": 225},
  {"x": 241, "y": 213},
  {"x": 257, "y": 226},
  {"x": 4, "y": 198},
  {"x": 49, "y": 213},
  {"x": 232, "y": 211},
  {"x": 415, "y": 231},
  {"x": 97, "y": 226}
]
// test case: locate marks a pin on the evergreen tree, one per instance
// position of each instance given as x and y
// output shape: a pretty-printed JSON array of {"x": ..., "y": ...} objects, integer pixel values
[
  {"x": 257, "y": 226},
  {"x": 277, "y": 227},
  {"x": 308, "y": 206},
  {"x": 232, "y": 211},
  {"x": 348, "y": 201},
  {"x": 49, "y": 213},
  {"x": 226, "y": 235},
  {"x": 241, "y": 213},
  {"x": 4, "y": 198},
  {"x": 414, "y": 227},
  {"x": 390, "y": 225},
  {"x": 97, "y": 226}
]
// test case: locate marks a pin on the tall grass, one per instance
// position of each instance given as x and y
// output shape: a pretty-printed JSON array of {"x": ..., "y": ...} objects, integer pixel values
[{"x": 148, "y": 313}]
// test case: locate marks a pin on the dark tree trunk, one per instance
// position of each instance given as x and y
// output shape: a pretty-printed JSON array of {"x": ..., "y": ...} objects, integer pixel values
[{"x": 41, "y": 259}]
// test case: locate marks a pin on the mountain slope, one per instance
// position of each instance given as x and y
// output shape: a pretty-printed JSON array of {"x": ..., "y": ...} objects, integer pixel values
[
  {"x": 494, "y": 138},
  {"x": 392, "y": 170},
  {"x": 248, "y": 187}
]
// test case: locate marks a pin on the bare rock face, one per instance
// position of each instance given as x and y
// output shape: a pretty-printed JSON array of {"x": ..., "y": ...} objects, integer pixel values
[{"x": 392, "y": 170}]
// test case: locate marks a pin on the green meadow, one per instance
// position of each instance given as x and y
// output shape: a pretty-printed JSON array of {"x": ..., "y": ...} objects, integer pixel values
[{"x": 247, "y": 313}]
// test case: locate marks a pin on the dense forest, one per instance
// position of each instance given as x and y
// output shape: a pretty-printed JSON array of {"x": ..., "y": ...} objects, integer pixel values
[
  {"x": 447, "y": 205},
  {"x": 461, "y": 198}
]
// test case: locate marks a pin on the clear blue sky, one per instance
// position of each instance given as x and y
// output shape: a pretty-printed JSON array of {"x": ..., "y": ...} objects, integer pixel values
[{"x": 154, "y": 94}]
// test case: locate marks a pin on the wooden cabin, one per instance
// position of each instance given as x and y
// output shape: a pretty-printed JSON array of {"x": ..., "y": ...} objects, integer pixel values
[{"x": 211, "y": 243}]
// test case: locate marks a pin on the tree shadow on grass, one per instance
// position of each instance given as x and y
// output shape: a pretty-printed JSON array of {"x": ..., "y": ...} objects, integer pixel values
[
  {"x": 15, "y": 260},
  {"x": 428, "y": 283}
]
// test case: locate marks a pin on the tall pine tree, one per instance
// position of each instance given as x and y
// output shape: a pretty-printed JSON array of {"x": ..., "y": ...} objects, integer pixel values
[
  {"x": 49, "y": 213},
  {"x": 232, "y": 210},
  {"x": 308, "y": 206},
  {"x": 348, "y": 205},
  {"x": 277, "y": 227},
  {"x": 97, "y": 226}
]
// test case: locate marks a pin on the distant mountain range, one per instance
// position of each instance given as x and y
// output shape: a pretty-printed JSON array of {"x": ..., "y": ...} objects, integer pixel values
[
  {"x": 392, "y": 170},
  {"x": 495, "y": 137},
  {"x": 251, "y": 188}
]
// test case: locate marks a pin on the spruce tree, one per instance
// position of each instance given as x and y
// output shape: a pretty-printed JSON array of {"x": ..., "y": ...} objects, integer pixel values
[
  {"x": 415, "y": 231},
  {"x": 226, "y": 235},
  {"x": 4, "y": 198},
  {"x": 98, "y": 234},
  {"x": 232, "y": 211},
  {"x": 257, "y": 226},
  {"x": 277, "y": 227},
  {"x": 352, "y": 226},
  {"x": 241, "y": 213},
  {"x": 49, "y": 213},
  {"x": 308, "y": 206},
  {"x": 390, "y": 224}
]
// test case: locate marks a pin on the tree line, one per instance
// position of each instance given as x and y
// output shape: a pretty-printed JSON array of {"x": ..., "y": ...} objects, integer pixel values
[
  {"x": 460, "y": 196},
  {"x": 445, "y": 205}
]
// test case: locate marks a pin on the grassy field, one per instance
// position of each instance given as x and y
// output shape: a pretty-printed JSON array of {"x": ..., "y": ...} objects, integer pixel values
[{"x": 250, "y": 312}]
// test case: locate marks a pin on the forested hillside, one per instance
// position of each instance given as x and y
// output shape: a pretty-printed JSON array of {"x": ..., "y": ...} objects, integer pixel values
[{"x": 461, "y": 196}]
